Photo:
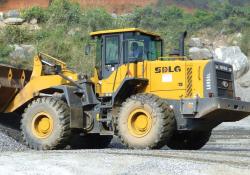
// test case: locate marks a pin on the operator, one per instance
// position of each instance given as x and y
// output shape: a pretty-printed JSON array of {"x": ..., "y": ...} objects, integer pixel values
[{"x": 136, "y": 53}]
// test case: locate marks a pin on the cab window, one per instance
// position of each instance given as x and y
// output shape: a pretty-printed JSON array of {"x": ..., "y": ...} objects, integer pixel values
[
  {"x": 111, "y": 50},
  {"x": 140, "y": 47}
]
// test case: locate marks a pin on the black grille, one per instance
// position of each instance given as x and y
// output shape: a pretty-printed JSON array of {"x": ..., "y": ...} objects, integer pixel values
[{"x": 224, "y": 77}]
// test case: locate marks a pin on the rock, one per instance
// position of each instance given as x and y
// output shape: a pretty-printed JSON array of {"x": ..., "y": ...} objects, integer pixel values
[
  {"x": 196, "y": 42},
  {"x": 198, "y": 53},
  {"x": 242, "y": 87},
  {"x": 13, "y": 21},
  {"x": 12, "y": 14},
  {"x": 238, "y": 35},
  {"x": 22, "y": 51},
  {"x": 30, "y": 49},
  {"x": 73, "y": 31},
  {"x": 31, "y": 27},
  {"x": 18, "y": 53},
  {"x": 233, "y": 55},
  {"x": 114, "y": 15},
  {"x": 34, "y": 27},
  {"x": 33, "y": 21},
  {"x": 2, "y": 24},
  {"x": 22, "y": 54}
]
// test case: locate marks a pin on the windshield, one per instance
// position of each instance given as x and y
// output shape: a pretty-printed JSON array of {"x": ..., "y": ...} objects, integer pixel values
[{"x": 141, "y": 47}]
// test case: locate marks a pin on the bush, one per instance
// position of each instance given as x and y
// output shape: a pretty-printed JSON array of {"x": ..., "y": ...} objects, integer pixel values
[
  {"x": 64, "y": 12},
  {"x": 16, "y": 35},
  {"x": 4, "y": 50},
  {"x": 96, "y": 19},
  {"x": 35, "y": 12}
]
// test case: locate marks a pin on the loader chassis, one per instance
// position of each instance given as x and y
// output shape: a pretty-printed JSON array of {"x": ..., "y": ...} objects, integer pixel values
[{"x": 147, "y": 100}]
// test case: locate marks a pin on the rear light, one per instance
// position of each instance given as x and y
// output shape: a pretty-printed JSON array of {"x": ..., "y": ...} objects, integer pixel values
[
  {"x": 237, "y": 98},
  {"x": 210, "y": 94}
]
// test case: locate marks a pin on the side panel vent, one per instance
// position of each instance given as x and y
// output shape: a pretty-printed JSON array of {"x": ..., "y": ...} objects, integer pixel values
[{"x": 189, "y": 76}]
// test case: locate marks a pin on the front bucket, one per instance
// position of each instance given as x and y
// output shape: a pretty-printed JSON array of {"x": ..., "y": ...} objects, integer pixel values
[{"x": 12, "y": 80}]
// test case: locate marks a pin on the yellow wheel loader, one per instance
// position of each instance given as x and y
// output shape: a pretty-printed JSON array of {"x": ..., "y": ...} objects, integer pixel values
[{"x": 136, "y": 93}]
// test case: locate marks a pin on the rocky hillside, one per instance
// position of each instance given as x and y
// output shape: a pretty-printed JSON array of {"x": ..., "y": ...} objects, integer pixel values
[
  {"x": 62, "y": 29},
  {"x": 120, "y": 6}
]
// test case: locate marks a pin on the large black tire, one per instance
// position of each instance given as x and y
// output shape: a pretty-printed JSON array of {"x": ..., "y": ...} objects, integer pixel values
[
  {"x": 90, "y": 141},
  {"x": 189, "y": 140},
  {"x": 159, "y": 126},
  {"x": 49, "y": 109}
]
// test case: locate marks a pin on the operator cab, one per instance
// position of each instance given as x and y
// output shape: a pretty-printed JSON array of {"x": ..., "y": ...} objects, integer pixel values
[{"x": 122, "y": 46}]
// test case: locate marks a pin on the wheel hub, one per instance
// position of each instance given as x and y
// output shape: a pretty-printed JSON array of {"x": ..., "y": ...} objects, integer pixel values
[
  {"x": 42, "y": 125},
  {"x": 139, "y": 123}
]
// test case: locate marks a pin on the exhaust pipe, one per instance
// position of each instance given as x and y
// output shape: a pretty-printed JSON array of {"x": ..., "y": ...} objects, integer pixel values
[{"x": 182, "y": 43}]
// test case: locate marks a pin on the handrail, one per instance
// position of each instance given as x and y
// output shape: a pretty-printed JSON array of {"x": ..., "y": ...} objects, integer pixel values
[{"x": 53, "y": 58}]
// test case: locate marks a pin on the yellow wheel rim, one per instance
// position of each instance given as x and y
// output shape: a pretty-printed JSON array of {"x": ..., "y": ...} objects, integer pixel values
[
  {"x": 139, "y": 123},
  {"x": 42, "y": 125}
]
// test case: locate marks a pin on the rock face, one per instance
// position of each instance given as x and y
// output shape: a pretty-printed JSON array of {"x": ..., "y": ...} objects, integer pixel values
[
  {"x": 200, "y": 53},
  {"x": 233, "y": 55}
]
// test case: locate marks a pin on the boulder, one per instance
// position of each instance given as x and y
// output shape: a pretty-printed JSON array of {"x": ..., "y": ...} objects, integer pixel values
[
  {"x": 22, "y": 51},
  {"x": 33, "y": 21},
  {"x": 242, "y": 87},
  {"x": 198, "y": 53},
  {"x": 13, "y": 21},
  {"x": 73, "y": 31},
  {"x": 196, "y": 42},
  {"x": 18, "y": 52},
  {"x": 31, "y": 27},
  {"x": 29, "y": 49},
  {"x": 233, "y": 55},
  {"x": 114, "y": 15}
]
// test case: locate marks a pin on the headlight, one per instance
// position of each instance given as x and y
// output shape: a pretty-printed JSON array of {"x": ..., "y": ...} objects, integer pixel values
[{"x": 225, "y": 84}]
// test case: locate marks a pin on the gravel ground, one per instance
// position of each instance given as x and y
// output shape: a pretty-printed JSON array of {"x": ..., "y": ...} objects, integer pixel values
[
  {"x": 120, "y": 161},
  {"x": 227, "y": 153},
  {"x": 9, "y": 144}
]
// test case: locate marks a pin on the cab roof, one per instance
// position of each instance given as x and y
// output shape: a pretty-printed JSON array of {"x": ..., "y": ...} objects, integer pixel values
[{"x": 123, "y": 31}]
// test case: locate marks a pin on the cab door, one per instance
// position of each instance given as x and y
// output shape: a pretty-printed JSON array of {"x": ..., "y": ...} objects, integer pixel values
[
  {"x": 111, "y": 59},
  {"x": 110, "y": 54}
]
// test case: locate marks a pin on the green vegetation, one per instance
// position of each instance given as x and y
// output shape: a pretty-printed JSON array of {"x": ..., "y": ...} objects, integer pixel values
[
  {"x": 16, "y": 35},
  {"x": 65, "y": 26},
  {"x": 4, "y": 52},
  {"x": 36, "y": 12},
  {"x": 245, "y": 42}
]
